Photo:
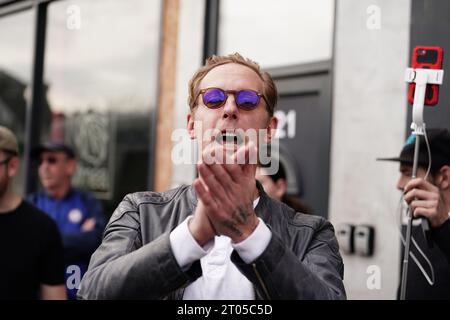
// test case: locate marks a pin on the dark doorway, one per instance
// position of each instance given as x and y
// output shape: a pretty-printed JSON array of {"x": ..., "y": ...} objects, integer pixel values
[{"x": 304, "y": 112}]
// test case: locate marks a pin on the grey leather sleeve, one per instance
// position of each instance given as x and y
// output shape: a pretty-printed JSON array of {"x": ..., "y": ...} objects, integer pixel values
[
  {"x": 122, "y": 268},
  {"x": 279, "y": 273}
]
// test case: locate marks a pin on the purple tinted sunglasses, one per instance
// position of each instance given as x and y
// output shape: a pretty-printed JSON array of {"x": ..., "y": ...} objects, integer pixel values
[{"x": 246, "y": 99}]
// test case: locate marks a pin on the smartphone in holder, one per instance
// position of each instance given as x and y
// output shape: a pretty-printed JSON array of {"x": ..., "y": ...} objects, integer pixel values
[{"x": 426, "y": 58}]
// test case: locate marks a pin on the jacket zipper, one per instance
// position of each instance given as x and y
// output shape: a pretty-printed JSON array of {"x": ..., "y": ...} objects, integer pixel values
[{"x": 261, "y": 282}]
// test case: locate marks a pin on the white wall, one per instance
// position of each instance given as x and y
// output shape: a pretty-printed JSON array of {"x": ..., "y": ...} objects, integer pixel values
[
  {"x": 189, "y": 59},
  {"x": 369, "y": 114}
]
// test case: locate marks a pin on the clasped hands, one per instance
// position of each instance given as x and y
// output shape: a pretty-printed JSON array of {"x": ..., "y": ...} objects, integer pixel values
[{"x": 225, "y": 189}]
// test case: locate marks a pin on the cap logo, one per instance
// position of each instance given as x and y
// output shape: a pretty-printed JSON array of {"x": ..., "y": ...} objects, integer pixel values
[{"x": 410, "y": 140}]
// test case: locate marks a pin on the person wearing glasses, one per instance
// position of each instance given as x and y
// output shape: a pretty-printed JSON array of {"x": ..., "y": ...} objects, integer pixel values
[
  {"x": 221, "y": 237},
  {"x": 31, "y": 264},
  {"x": 78, "y": 214}
]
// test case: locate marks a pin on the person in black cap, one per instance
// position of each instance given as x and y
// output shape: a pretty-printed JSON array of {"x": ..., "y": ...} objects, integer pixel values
[
  {"x": 428, "y": 197},
  {"x": 276, "y": 186},
  {"x": 79, "y": 214},
  {"x": 31, "y": 264}
]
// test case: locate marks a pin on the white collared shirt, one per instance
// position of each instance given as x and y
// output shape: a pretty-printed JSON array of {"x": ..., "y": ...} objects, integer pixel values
[{"x": 220, "y": 277}]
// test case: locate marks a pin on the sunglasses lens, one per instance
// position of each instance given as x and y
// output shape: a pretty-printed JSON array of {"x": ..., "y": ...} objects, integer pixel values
[
  {"x": 214, "y": 98},
  {"x": 5, "y": 161},
  {"x": 247, "y": 99},
  {"x": 49, "y": 160}
]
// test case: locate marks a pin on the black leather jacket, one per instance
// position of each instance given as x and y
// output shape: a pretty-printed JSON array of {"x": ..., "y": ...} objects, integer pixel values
[{"x": 135, "y": 260}]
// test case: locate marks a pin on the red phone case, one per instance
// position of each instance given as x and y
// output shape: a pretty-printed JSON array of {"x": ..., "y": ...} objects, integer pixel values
[{"x": 432, "y": 91}]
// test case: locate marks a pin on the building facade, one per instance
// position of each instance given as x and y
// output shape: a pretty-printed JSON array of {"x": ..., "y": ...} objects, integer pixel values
[{"x": 110, "y": 78}]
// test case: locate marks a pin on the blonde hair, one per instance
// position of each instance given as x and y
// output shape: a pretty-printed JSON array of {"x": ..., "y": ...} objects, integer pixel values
[{"x": 269, "y": 88}]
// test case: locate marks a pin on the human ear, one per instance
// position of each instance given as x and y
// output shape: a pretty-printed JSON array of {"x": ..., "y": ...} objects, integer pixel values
[
  {"x": 444, "y": 174},
  {"x": 271, "y": 128},
  {"x": 281, "y": 188},
  {"x": 190, "y": 125},
  {"x": 71, "y": 167},
  {"x": 13, "y": 166}
]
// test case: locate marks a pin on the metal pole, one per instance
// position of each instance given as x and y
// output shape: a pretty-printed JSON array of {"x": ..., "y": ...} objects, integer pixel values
[
  {"x": 210, "y": 44},
  {"x": 34, "y": 105},
  {"x": 409, "y": 226}
]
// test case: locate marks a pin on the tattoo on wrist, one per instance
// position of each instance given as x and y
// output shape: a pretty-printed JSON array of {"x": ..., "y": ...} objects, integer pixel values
[
  {"x": 242, "y": 215},
  {"x": 232, "y": 226}
]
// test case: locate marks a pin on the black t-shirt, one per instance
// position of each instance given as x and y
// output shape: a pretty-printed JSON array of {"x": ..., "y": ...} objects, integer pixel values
[
  {"x": 30, "y": 253},
  {"x": 417, "y": 286},
  {"x": 441, "y": 236}
]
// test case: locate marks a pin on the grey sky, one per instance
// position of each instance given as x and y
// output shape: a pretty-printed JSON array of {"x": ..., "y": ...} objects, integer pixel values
[
  {"x": 111, "y": 59},
  {"x": 276, "y": 33}
]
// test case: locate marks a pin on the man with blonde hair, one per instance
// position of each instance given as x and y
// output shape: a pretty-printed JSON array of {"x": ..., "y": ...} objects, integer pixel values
[{"x": 222, "y": 237}]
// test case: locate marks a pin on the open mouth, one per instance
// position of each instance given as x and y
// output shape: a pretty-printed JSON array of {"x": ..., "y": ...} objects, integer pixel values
[{"x": 229, "y": 137}]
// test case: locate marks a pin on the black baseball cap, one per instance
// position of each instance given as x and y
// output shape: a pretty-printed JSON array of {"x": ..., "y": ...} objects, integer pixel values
[
  {"x": 53, "y": 146},
  {"x": 439, "y": 140}
]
